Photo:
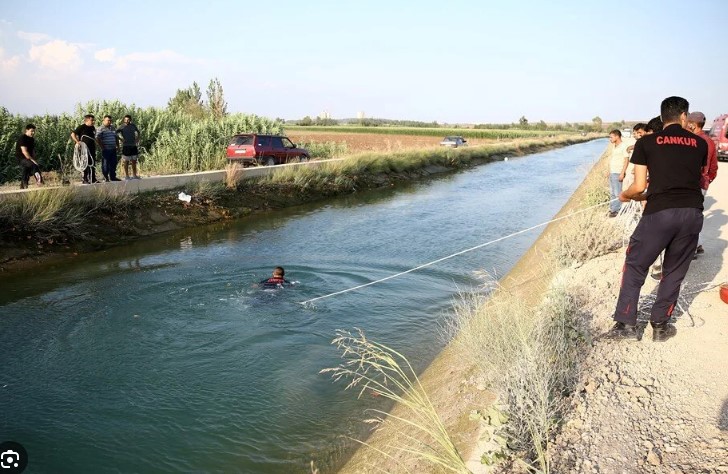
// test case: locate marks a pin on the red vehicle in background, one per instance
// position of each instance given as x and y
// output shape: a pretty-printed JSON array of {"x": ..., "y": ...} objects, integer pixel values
[
  {"x": 254, "y": 149},
  {"x": 719, "y": 134}
]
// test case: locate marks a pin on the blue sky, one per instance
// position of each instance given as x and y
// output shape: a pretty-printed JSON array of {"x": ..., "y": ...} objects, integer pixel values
[{"x": 457, "y": 61}]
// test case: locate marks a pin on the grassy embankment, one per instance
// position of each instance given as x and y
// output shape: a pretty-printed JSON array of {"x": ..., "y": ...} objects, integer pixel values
[
  {"x": 497, "y": 393},
  {"x": 174, "y": 142},
  {"x": 59, "y": 219}
]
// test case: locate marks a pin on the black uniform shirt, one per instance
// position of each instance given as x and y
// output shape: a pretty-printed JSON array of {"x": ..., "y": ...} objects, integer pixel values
[
  {"x": 27, "y": 142},
  {"x": 674, "y": 158},
  {"x": 88, "y": 132}
]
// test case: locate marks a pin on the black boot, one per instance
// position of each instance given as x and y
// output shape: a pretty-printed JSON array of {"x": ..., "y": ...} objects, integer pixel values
[
  {"x": 622, "y": 330},
  {"x": 661, "y": 332}
]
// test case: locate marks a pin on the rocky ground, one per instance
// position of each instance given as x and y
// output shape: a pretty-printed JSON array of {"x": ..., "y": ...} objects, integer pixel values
[{"x": 647, "y": 406}]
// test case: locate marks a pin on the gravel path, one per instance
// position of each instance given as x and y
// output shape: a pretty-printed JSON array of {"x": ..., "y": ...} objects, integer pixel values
[{"x": 656, "y": 407}]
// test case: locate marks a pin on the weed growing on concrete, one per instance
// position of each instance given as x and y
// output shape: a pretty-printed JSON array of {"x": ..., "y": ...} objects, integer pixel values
[{"x": 376, "y": 368}]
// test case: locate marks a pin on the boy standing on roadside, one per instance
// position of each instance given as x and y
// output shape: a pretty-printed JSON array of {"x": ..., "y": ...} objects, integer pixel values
[{"x": 671, "y": 221}]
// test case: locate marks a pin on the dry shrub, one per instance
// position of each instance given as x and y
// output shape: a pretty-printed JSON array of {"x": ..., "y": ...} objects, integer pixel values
[
  {"x": 585, "y": 236},
  {"x": 55, "y": 213},
  {"x": 374, "y": 367},
  {"x": 530, "y": 357},
  {"x": 233, "y": 175}
]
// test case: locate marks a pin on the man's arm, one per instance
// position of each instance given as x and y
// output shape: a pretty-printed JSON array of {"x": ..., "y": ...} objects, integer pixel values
[
  {"x": 624, "y": 168},
  {"x": 98, "y": 140},
  {"x": 636, "y": 190},
  {"x": 712, "y": 164},
  {"x": 26, "y": 153}
]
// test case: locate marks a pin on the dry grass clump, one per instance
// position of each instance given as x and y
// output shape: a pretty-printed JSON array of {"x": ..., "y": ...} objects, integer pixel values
[
  {"x": 374, "y": 367},
  {"x": 585, "y": 236},
  {"x": 54, "y": 213},
  {"x": 530, "y": 357},
  {"x": 233, "y": 175}
]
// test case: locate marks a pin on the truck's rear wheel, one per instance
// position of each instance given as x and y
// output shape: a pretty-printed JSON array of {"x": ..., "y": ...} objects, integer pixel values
[{"x": 269, "y": 161}]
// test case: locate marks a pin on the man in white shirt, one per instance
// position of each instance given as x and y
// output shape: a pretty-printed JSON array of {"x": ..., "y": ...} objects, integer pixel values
[{"x": 618, "y": 162}]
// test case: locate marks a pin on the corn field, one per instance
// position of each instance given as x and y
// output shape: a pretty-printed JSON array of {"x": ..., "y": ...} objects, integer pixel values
[{"x": 171, "y": 142}]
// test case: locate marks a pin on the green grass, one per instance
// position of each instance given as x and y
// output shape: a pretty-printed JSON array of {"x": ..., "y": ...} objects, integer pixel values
[{"x": 58, "y": 213}]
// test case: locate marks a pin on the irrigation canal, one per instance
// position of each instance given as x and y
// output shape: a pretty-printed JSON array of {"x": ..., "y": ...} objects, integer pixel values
[{"x": 161, "y": 356}]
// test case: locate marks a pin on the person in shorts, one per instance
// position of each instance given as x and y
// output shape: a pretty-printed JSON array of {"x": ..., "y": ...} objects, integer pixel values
[{"x": 129, "y": 135}]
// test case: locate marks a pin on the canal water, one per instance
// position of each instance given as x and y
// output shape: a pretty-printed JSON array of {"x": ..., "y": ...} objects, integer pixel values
[{"x": 162, "y": 356}]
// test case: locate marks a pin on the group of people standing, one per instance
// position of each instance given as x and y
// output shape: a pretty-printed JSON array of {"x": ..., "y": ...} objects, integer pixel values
[
  {"x": 108, "y": 138},
  {"x": 668, "y": 168}
]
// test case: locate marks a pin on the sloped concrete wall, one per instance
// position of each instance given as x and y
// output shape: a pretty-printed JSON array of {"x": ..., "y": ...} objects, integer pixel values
[{"x": 172, "y": 181}]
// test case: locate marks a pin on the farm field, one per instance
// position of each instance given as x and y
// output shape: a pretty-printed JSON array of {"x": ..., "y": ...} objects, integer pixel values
[
  {"x": 365, "y": 142},
  {"x": 384, "y": 139}
]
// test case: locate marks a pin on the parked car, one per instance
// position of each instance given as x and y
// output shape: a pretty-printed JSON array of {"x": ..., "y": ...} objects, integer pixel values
[
  {"x": 454, "y": 142},
  {"x": 254, "y": 149},
  {"x": 719, "y": 134}
]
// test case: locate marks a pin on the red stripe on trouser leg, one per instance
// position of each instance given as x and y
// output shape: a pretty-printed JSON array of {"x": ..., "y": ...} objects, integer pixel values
[{"x": 669, "y": 310}]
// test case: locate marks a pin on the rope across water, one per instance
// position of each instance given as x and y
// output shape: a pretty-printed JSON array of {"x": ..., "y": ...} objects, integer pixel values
[{"x": 485, "y": 244}]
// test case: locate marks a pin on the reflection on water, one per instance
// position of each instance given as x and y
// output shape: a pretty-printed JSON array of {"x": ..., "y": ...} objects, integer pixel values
[{"x": 164, "y": 355}]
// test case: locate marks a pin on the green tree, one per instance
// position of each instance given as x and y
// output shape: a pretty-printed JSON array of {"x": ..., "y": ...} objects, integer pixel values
[
  {"x": 523, "y": 121},
  {"x": 188, "y": 101},
  {"x": 306, "y": 121},
  {"x": 216, "y": 100},
  {"x": 597, "y": 123}
]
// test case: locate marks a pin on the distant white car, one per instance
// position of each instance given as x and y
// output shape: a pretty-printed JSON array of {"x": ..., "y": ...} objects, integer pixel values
[{"x": 454, "y": 142}]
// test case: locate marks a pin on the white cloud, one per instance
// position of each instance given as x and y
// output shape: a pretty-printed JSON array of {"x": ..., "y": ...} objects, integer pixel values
[
  {"x": 57, "y": 54},
  {"x": 8, "y": 64},
  {"x": 33, "y": 37},
  {"x": 105, "y": 55}
]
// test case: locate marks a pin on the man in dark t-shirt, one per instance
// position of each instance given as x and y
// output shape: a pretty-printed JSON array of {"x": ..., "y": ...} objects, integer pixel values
[
  {"x": 86, "y": 133},
  {"x": 671, "y": 221},
  {"x": 129, "y": 135},
  {"x": 25, "y": 154}
]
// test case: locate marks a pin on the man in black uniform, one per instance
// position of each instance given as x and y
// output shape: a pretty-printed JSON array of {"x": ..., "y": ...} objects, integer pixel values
[
  {"x": 25, "y": 154},
  {"x": 671, "y": 221},
  {"x": 86, "y": 132}
]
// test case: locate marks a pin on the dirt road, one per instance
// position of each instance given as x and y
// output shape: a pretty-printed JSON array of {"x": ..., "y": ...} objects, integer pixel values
[{"x": 657, "y": 407}]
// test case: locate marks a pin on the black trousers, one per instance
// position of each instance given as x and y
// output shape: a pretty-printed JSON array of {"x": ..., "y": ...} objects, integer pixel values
[
  {"x": 676, "y": 232},
  {"x": 28, "y": 169},
  {"x": 89, "y": 173}
]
